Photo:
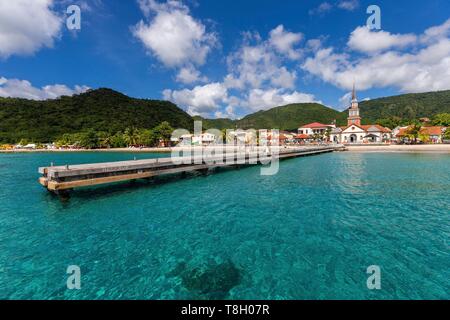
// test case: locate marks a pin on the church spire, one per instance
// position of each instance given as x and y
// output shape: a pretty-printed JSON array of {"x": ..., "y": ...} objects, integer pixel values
[
  {"x": 353, "y": 113},
  {"x": 354, "y": 91}
]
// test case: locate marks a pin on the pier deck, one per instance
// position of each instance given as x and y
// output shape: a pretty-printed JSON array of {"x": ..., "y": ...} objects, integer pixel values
[{"x": 64, "y": 178}]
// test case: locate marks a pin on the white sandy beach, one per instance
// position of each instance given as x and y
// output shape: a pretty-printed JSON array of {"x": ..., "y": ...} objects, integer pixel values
[
  {"x": 424, "y": 148},
  {"x": 427, "y": 148}
]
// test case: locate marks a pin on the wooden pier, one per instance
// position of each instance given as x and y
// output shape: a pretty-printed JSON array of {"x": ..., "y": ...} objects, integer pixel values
[{"x": 60, "y": 179}]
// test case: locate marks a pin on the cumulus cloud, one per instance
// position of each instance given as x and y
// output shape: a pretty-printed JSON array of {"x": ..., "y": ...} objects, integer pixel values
[
  {"x": 284, "y": 41},
  {"x": 259, "y": 99},
  {"x": 173, "y": 36},
  {"x": 27, "y": 26},
  {"x": 424, "y": 68},
  {"x": 349, "y": 5},
  {"x": 16, "y": 88},
  {"x": 258, "y": 64},
  {"x": 201, "y": 100},
  {"x": 189, "y": 75},
  {"x": 257, "y": 76},
  {"x": 325, "y": 7},
  {"x": 436, "y": 33},
  {"x": 364, "y": 40}
]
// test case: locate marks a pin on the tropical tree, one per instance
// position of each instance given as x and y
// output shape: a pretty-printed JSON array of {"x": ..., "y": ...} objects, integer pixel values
[
  {"x": 163, "y": 132},
  {"x": 67, "y": 139},
  {"x": 131, "y": 136},
  {"x": 391, "y": 123},
  {"x": 23, "y": 142},
  {"x": 147, "y": 138},
  {"x": 414, "y": 131},
  {"x": 104, "y": 139},
  {"x": 118, "y": 140},
  {"x": 447, "y": 134},
  {"x": 89, "y": 139},
  {"x": 442, "y": 119},
  {"x": 425, "y": 138}
]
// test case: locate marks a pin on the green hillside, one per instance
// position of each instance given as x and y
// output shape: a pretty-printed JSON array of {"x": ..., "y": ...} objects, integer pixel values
[
  {"x": 407, "y": 106},
  {"x": 100, "y": 110},
  {"x": 220, "y": 123},
  {"x": 105, "y": 110},
  {"x": 290, "y": 117}
]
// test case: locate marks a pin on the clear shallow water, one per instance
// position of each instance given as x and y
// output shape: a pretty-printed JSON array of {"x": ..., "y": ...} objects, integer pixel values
[{"x": 309, "y": 232}]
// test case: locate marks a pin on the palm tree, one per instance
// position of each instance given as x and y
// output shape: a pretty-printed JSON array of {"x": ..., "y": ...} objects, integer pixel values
[
  {"x": 104, "y": 139},
  {"x": 414, "y": 131},
  {"x": 131, "y": 136}
]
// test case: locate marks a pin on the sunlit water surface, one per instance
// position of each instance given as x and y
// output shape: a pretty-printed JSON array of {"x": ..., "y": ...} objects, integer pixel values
[{"x": 309, "y": 232}]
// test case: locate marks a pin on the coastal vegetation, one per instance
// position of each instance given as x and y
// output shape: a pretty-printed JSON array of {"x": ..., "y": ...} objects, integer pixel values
[
  {"x": 101, "y": 110},
  {"x": 389, "y": 112},
  {"x": 90, "y": 139},
  {"x": 406, "y": 107},
  {"x": 106, "y": 118}
]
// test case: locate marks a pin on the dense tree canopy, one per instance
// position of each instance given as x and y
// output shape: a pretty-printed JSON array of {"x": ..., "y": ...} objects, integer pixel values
[
  {"x": 108, "y": 118},
  {"x": 101, "y": 110}
]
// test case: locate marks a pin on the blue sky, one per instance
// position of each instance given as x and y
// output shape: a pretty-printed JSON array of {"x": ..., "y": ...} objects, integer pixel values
[{"x": 225, "y": 58}]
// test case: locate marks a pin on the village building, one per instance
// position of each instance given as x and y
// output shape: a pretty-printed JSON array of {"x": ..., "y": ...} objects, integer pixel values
[
  {"x": 315, "y": 128},
  {"x": 432, "y": 134},
  {"x": 355, "y": 132},
  {"x": 203, "y": 139}
]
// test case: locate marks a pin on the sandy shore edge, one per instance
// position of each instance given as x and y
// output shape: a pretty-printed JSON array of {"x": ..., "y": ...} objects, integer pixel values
[
  {"x": 435, "y": 148},
  {"x": 426, "y": 148}
]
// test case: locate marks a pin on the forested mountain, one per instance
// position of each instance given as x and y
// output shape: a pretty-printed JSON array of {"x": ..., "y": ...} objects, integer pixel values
[
  {"x": 99, "y": 110},
  {"x": 108, "y": 111}
]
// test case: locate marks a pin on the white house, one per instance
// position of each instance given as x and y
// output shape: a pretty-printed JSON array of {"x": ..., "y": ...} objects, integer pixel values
[
  {"x": 205, "y": 138},
  {"x": 315, "y": 128}
]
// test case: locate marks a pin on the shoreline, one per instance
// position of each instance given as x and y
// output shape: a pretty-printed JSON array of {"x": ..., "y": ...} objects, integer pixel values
[
  {"x": 143, "y": 150},
  {"x": 422, "y": 148},
  {"x": 426, "y": 148}
]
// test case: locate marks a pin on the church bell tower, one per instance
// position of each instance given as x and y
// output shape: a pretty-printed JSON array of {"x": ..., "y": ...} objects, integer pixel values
[{"x": 353, "y": 112}]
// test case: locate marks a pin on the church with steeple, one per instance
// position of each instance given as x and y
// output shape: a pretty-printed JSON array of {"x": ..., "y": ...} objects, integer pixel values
[
  {"x": 353, "y": 112},
  {"x": 356, "y": 133}
]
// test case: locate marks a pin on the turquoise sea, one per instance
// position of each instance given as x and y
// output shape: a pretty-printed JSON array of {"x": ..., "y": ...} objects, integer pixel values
[{"x": 309, "y": 232}]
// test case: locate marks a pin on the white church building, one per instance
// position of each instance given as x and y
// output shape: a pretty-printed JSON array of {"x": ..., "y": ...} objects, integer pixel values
[{"x": 355, "y": 132}]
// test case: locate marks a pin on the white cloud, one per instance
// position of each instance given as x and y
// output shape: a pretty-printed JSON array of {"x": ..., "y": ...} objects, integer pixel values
[
  {"x": 349, "y": 5},
  {"x": 324, "y": 7},
  {"x": 201, "y": 100},
  {"x": 364, "y": 40},
  {"x": 436, "y": 32},
  {"x": 259, "y": 99},
  {"x": 428, "y": 70},
  {"x": 425, "y": 68},
  {"x": 344, "y": 101},
  {"x": 189, "y": 75},
  {"x": 284, "y": 41},
  {"x": 27, "y": 26},
  {"x": 258, "y": 65},
  {"x": 174, "y": 37},
  {"x": 257, "y": 73},
  {"x": 16, "y": 88}
]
